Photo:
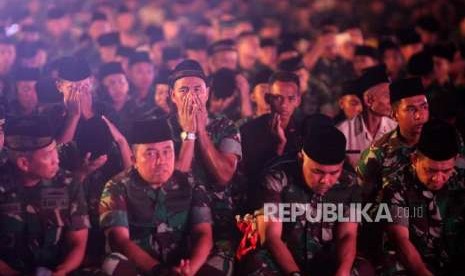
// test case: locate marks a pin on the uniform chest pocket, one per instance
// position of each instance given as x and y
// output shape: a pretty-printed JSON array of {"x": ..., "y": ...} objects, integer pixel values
[
  {"x": 54, "y": 208},
  {"x": 54, "y": 198}
]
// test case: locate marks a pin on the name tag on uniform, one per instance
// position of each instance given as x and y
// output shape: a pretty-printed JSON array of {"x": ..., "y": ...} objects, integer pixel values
[{"x": 54, "y": 198}]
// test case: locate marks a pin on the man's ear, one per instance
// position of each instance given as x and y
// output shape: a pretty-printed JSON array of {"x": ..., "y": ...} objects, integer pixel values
[
  {"x": 22, "y": 163},
  {"x": 414, "y": 158},
  {"x": 368, "y": 99},
  {"x": 59, "y": 85},
  {"x": 300, "y": 155},
  {"x": 253, "y": 98},
  {"x": 340, "y": 103}
]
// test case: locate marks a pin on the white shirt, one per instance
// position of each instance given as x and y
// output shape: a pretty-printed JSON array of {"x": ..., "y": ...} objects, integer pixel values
[{"x": 359, "y": 138}]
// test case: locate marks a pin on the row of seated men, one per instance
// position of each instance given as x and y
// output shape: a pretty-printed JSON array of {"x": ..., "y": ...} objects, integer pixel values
[{"x": 171, "y": 208}]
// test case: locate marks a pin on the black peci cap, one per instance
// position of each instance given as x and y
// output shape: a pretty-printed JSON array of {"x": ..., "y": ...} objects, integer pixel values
[
  {"x": 438, "y": 141},
  {"x": 405, "y": 88},
  {"x": 28, "y": 133},
  {"x": 325, "y": 145},
  {"x": 73, "y": 69},
  {"x": 151, "y": 131},
  {"x": 187, "y": 68}
]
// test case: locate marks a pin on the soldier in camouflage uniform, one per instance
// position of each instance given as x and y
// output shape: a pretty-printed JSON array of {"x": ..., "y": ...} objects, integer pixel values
[
  {"x": 427, "y": 206},
  {"x": 43, "y": 212},
  {"x": 209, "y": 146},
  {"x": 158, "y": 220},
  {"x": 302, "y": 246},
  {"x": 391, "y": 152}
]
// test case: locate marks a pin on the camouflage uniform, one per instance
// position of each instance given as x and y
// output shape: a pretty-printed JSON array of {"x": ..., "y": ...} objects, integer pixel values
[
  {"x": 158, "y": 219},
  {"x": 383, "y": 158},
  {"x": 435, "y": 221},
  {"x": 34, "y": 220},
  {"x": 310, "y": 243},
  {"x": 226, "y": 138}
]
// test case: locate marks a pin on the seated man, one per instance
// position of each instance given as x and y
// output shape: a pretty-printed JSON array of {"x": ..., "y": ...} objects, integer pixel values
[
  {"x": 43, "y": 211},
  {"x": 209, "y": 146},
  {"x": 427, "y": 204},
  {"x": 297, "y": 245},
  {"x": 373, "y": 123},
  {"x": 151, "y": 213},
  {"x": 274, "y": 134}
]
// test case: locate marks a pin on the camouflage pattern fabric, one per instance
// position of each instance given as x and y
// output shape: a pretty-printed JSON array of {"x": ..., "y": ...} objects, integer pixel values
[
  {"x": 34, "y": 220},
  {"x": 309, "y": 242},
  {"x": 159, "y": 219},
  {"x": 382, "y": 159},
  {"x": 226, "y": 138},
  {"x": 435, "y": 220}
]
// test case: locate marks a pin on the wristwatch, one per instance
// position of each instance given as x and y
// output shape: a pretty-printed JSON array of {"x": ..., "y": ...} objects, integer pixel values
[{"x": 188, "y": 135}]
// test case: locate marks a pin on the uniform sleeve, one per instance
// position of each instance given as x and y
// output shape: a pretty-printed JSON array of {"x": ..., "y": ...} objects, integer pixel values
[
  {"x": 273, "y": 184},
  {"x": 78, "y": 211},
  {"x": 112, "y": 208},
  {"x": 200, "y": 208},
  {"x": 394, "y": 197},
  {"x": 369, "y": 170},
  {"x": 231, "y": 140}
]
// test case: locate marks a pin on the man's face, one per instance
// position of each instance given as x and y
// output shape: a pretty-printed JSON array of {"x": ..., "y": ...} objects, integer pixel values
[
  {"x": 249, "y": 47},
  {"x": 224, "y": 59},
  {"x": 26, "y": 94},
  {"x": 363, "y": 62},
  {"x": 161, "y": 95},
  {"x": 351, "y": 106},
  {"x": 320, "y": 178},
  {"x": 57, "y": 27},
  {"x": 98, "y": 28},
  {"x": 125, "y": 22},
  {"x": 44, "y": 162},
  {"x": 433, "y": 174},
  {"x": 156, "y": 51},
  {"x": 155, "y": 161},
  {"x": 393, "y": 60},
  {"x": 441, "y": 68},
  {"x": 377, "y": 100},
  {"x": 284, "y": 98},
  {"x": 189, "y": 85},
  {"x": 268, "y": 55},
  {"x": 107, "y": 53},
  {"x": 117, "y": 87},
  {"x": 330, "y": 46},
  {"x": 411, "y": 114},
  {"x": 170, "y": 29},
  {"x": 142, "y": 75},
  {"x": 7, "y": 57}
]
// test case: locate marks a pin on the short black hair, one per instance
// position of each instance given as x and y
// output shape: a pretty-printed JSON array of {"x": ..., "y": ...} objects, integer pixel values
[{"x": 284, "y": 76}]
